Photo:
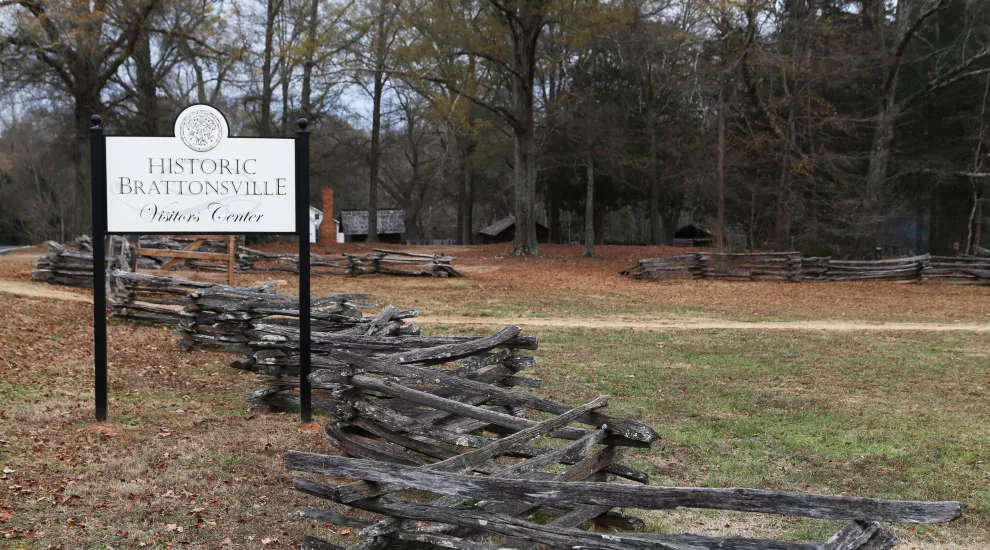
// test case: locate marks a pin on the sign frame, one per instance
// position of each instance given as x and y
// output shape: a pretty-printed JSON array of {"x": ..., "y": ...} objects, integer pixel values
[
  {"x": 226, "y": 137},
  {"x": 98, "y": 175}
]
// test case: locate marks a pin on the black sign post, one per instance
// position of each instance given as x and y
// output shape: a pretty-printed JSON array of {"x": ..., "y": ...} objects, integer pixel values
[
  {"x": 305, "y": 303},
  {"x": 98, "y": 174}
]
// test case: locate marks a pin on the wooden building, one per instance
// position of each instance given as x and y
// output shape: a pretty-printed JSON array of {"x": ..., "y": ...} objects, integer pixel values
[
  {"x": 504, "y": 231},
  {"x": 391, "y": 225},
  {"x": 692, "y": 235}
]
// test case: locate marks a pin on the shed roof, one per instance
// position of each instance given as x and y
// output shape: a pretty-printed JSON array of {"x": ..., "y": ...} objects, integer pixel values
[
  {"x": 355, "y": 222},
  {"x": 501, "y": 225},
  {"x": 692, "y": 231}
]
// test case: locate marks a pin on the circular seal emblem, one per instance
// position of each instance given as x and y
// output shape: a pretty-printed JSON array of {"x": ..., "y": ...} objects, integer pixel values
[{"x": 201, "y": 131}]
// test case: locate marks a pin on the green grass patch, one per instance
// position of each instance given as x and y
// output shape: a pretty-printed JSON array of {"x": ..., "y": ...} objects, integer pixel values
[
  {"x": 899, "y": 416},
  {"x": 223, "y": 460},
  {"x": 10, "y": 391}
]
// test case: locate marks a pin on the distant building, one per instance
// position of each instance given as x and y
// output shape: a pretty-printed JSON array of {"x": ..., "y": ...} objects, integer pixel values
[
  {"x": 391, "y": 225},
  {"x": 504, "y": 231},
  {"x": 329, "y": 232},
  {"x": 322, "y": 230},
  {"x": 692, "y": 235},
  {"x": 315, "y": 219}
]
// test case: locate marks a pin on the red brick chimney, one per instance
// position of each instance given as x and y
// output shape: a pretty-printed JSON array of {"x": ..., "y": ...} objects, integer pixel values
[{"x": 328, "y": 229}]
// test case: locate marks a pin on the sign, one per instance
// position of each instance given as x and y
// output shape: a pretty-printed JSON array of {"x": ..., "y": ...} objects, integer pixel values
[{"x": 201, "y": 180}]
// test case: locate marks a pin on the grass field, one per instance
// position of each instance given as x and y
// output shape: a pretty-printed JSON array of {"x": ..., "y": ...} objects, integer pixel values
[{"x": 184, "y": 463}]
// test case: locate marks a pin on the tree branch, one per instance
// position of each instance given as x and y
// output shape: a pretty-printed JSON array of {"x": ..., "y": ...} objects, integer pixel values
[{"x": 953, "y": 75}]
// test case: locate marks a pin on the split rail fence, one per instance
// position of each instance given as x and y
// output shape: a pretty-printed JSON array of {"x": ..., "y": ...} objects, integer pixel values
[
  {"x": 454, "y": 417},
  {"x": 386, "y": 262},
  {"x": 790, "y": 266},
  {"x": 72, "y": 264},
  {"x": 226, "y": 260},
  {"x": 446, "y": 449}
]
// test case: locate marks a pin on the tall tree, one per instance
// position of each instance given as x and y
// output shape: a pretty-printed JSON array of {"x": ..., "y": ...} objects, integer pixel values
[
  {"x": 910, "y": 17},
  {"x": 82, "y": 44},
  {"x": 373, "y": 56},
  {"x": 506, "y": 35}
]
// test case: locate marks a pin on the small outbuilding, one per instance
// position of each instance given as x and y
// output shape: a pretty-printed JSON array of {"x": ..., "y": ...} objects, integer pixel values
[
  {"x": 692, "y": 235},
  {"x": 504, "y": 231},
  {"x": 315, "y": 219},
  {"x": 391, "y": 225},
  {"x": 322, "y": 230}
]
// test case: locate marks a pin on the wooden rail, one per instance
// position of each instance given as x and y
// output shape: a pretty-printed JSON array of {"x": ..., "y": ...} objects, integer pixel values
[
  {"x": 192, "y": 252},
  {"x": 379, "y": 261},
  {"x": 790, "y": 266},
  {"x": 452, "y": 421},
  {"x": 453, "y": 416}
]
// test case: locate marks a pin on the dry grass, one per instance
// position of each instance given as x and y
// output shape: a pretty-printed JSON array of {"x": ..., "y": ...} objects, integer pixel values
[
  {"x": 184, "y": 463},
  {"x": 562, "y": 284}
]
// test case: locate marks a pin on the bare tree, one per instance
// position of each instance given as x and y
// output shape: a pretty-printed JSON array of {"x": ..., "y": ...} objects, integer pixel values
[{"x": 81, "y": 44}]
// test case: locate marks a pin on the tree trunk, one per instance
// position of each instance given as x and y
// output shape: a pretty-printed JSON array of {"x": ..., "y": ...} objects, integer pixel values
[
  {"x": 147, "y": 87},
  {"x": 527, "y": 31},
  {"x": 720, "y": 176},
  {"x": 655, "y": 227},
  {"x": 87, "y": 104},
  {"x": 781, "y": 222},
  {"x": 876, "y": 175},
  {"x": 589, "y": 207},
  {"x": 972, "y": 221},
  {"x": 976, "y": 214},
  {"x": 670, "y": 217},
  {"x": 466, "y": 224},
  {"x": 752, "y": 220},
  {"x": 412, "y": 229},
  {"x": 934, "y": 246},
  {"x": 919, "y": 225},
  {"x": 524, "y": 175},
  {"x": 554, "y": 214},
  {"x": 265, "y": 124},
  {"x": 379, "y": 47},
  {"x": 306, "y": 94},
  {"x": 286, "y": 72},
  {"x": 376, "y": 128},
  {"x": 600, "y": 213},
  {"x": 979, "y": 218}
]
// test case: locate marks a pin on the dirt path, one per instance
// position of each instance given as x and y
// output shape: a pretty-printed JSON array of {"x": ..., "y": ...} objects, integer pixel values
[
  {"x": 702, "y": 324},
  {"x": 38, "y": 290}
]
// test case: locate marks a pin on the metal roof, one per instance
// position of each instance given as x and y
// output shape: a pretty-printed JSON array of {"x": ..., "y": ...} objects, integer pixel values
[
  {"x": 355, "y": 222},
  {"x": 499, "y": 226}
]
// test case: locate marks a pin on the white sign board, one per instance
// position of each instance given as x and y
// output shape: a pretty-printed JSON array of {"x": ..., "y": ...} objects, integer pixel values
[{"x": 201, "y": 180}]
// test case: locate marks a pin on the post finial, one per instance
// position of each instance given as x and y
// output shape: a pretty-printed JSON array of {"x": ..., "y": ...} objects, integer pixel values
[
  {"x": 96, "y": 120},
  {"x": 303, "y": 123}
]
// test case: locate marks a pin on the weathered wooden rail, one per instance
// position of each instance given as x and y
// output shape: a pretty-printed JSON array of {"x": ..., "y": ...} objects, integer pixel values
[
  {"x": 262, "y": 325},
  {"x": 388, "y": 262},
  {"x": 64, "y": 266},
  {"x": 171, "y": 300},
  {"x": 453, "y": 417},
  {"x": 72, "y": 264},
  {"x": 790, "y": 266},
  {"x": 226, "y": 260},
  {"x": 379, "y": 261},
  {"x": 447, "y": 449}
]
